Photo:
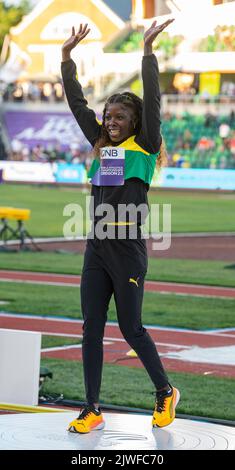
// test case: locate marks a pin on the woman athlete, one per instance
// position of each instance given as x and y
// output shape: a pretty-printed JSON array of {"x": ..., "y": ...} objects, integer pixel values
[{"x": 115, "y": 261}]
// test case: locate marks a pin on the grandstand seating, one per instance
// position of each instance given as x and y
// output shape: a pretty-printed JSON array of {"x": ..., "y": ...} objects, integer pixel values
[
  {"x": 192, "y": 141},
  {"x": 195, "y": 141}
]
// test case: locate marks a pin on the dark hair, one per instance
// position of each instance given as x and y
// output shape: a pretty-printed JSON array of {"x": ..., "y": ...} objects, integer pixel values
[
  {"x": 129, "y": 100},
  {"x": 135, "y": 103}
]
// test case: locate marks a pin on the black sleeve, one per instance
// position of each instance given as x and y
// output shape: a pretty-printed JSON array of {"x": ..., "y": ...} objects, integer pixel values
[
  {"x": 150, "y": 137},
  {"x": 85, "y": 117}
]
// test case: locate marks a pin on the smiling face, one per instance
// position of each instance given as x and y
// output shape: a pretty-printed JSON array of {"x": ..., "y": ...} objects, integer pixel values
[{"x": 119, "y": 122}]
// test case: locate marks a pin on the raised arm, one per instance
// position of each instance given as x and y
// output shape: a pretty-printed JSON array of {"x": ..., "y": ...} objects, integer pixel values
[
  {"x": 85, "y": 116},
  {"x": 150, "y": 136}
]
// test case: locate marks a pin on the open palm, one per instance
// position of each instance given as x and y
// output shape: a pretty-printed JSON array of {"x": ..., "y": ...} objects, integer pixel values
[
  {"x": 151, "y": 33},
  {"x": 74, "y": 39}
]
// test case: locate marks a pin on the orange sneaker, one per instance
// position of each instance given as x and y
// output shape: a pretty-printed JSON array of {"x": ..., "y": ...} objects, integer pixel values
[
  {"x": 164, "y": 412},
  {"x": 90, "y": 419}
]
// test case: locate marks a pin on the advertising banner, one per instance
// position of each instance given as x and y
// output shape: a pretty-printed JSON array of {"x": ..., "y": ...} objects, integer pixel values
[
  {"x": 209, "y": 83},
  {"x": 27, "y": 171},
  {"x": 44, "y": 128},
  {"x": 193, "y": 178},
  {"x": 185, "y": 178},
  {"x": 70, "y": 173}
]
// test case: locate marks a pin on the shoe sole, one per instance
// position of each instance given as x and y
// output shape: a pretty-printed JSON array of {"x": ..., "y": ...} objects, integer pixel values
[
  {"x": 176, "y": 401},
  {"x": 177, "y": 397},
  {"x": 97, "y": 428}
]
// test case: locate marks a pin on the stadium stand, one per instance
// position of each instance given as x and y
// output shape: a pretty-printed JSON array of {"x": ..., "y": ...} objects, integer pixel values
[
  {"x": 193, "y": 141},
  {"x": 200, "y": 141}
]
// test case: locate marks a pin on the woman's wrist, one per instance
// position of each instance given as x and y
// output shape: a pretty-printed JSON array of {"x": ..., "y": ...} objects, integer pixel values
[
  {"x": 148, "y": 50},
  {"x": 65, "y": 56}
]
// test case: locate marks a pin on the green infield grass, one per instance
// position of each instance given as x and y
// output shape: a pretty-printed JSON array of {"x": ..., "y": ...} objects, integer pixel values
[
  {"x": 191, "y": 211},
  {"x": 158, "y": 309},
  {"x": 49, "y": 341},
  {"x": 201, "y": 395},
  {"x": 217, "y": 273}
]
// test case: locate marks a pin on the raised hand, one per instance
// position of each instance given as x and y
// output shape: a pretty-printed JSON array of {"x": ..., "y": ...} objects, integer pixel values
[
  {"x": 151, "y": 34},
  {"x": 74, "y": 39}
]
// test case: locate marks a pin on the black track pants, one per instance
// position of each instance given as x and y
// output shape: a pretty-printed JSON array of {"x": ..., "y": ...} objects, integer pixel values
[{"x": 115, "y": 267}]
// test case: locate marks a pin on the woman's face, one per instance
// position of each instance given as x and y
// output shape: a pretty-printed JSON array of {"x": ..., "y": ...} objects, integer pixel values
[{"x": 119, "y": 122}]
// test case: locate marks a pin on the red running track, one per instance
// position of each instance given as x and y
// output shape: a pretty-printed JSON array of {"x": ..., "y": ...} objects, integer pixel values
[
  {"x": 150, "y": 286},
  {"x": 168, "y": 340}
]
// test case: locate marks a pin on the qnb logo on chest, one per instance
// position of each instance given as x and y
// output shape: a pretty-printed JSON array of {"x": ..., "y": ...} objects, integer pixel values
[
  {"x": 109, "y": 152},
  {"x": 112, "y": 152}
]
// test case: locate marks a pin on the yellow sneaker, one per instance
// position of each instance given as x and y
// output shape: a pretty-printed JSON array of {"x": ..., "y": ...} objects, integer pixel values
[
  {"x": 90, "y": 419},
  {"x": 164, "y": 412}
]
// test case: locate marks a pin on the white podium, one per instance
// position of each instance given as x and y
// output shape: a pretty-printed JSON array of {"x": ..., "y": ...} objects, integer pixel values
[{"x": 19, "y": 366}]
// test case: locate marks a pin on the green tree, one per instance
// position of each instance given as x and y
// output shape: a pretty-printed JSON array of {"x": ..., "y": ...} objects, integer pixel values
[
  {"x": 133, "y": 43},
  {"x": 222, "y": 40},
  {"x": 168, "y": 44},
  {"x": 11, "y": 16}
]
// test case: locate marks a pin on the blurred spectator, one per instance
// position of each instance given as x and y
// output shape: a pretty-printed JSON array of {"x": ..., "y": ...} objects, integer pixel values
[
  {"x": 17, "y": 93},
  {"x": 228, "y": 88},
  {"x": 232, "y": 118},
  {"x": 8, "y": 92},
  {"x": 32, "y": 91},
  {"x": 224, "y": 130},
  {"x": 25, "y": 154},
  {"x": 232, "y": 143},
  {"x": 187, "y": 139},
  {"x": 16, "y": 145},
  {"x": 205, "y": 144},
  {"x": 58, "y": 91},
  {"x": 3, "y": 154},
  {"x": 210, "y": 119}
]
